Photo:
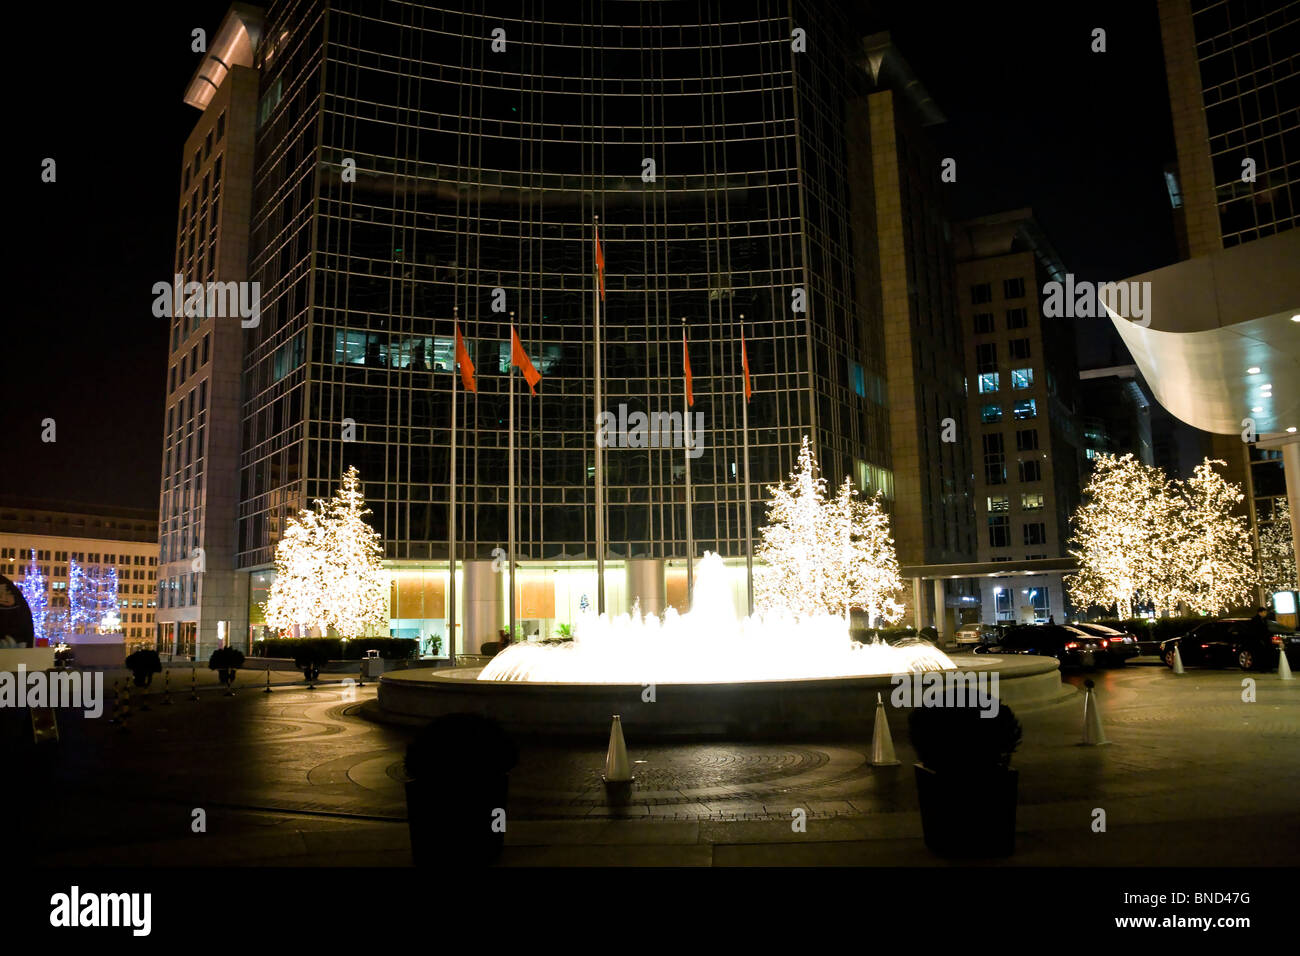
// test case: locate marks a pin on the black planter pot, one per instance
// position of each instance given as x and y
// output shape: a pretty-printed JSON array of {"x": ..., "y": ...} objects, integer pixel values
[
  {"x": 968, "y": 814},
  {"x": 451, "y": 820}
]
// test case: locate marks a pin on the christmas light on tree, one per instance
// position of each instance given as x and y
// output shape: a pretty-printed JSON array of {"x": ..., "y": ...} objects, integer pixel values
[
  {"x": 1276, "y": 552},
  {"x": 1216, "y": 553},
  {"x": 825, "y": 557},
  {"x": 329, "y": 568},
  {"x": 33, "y": 587}
]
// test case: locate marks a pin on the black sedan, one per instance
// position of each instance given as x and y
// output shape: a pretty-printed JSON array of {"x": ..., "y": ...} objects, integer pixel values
[
  {"x": 1068, "y": 644},
  {"x": 1120, "y": 645},
  {"x": 1229, "y": 642}
]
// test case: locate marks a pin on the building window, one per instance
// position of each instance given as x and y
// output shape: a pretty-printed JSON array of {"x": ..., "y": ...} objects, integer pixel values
[
  {"x": 1019, "y": 348},
  {"x": 1022, "y": 378},
  {"x": 988, "y": 382},
  {"x": 221, "y": 126},
  {"x": 1027, "y": 439},
  {"x": 999, "y": 504},
  {"x": 858, "y": 376},
  {"x": 991, "y": 413},
  {"x": 1013, "y": 288},
  {"x": 1017, "y": 318},
  {"x": 1031, "y": 502},
  {"x": 206, "y": 340},
  {"x": 983, "y": 323},
  {"x": 1025, "y": 408},
  {"x": 1035, "y": 532},
  {"x": 995, "y": 467},
  {"x": 981, "y": 292},
  {"x": 999, "y": 531},
  {"x": 986, "y": 357},
  {"x": 1031, "y": 470}
]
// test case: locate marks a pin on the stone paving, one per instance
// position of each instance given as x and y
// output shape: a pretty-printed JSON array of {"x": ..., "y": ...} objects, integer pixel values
[{"x": 1192, "y": 774}]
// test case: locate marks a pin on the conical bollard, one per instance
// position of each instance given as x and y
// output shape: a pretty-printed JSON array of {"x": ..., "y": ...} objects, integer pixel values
[
  {"x": 268, "y": 680},
  {"x": 1093, "y": 734},
  {"x": 1178, "y": 661},
  {"x": 1283, "y": 665},
  {"x": 882, "y": 743},
  {"x": 618, "y": 769}
]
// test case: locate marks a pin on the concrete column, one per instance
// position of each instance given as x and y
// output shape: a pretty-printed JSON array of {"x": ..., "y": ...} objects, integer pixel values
[
  {"x": 483, "y": 597},
  {"x": 645, "y": 582},
  {"x": 940, "y": 609},
  {"x": 918, "y": 619},
  {"x": 1291, "y": 466}
]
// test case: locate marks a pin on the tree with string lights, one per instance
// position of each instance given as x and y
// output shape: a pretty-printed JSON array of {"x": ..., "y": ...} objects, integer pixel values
[
  {"x": 33, "y": 587},
  {"x": 329, "y": 568},
  {"x": 1276, "y": 552},
  {"x": 1216, "y": 555}
]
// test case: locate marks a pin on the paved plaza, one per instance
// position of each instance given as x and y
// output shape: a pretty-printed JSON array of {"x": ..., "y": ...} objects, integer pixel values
[{"x": 1193, "y": 776}]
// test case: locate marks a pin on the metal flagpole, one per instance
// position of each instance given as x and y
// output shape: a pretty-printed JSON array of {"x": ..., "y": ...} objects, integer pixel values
[
  {"x": 510, "y": 522},
  {"x": 686, "y": 445},
  {"x": 744, "y": 430},
  {"x": 451, "y": 507},
  {"x": 600, "y": 452}
]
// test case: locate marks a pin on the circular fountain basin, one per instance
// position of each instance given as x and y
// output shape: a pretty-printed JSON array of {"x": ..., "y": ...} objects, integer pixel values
[{"x": 740, "y": 709}]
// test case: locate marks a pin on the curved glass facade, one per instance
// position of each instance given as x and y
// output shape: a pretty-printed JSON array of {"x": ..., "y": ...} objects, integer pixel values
[{"x": 717, "y": 158}]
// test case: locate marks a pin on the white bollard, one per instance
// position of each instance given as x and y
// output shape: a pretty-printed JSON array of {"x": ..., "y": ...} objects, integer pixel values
[
  {"x": 882, "y": 743},
  {"x": 1093, "y": 734}
]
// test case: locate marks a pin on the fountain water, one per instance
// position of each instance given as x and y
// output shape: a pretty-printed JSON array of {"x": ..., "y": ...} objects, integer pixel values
[{"x": 708, "y": 644}]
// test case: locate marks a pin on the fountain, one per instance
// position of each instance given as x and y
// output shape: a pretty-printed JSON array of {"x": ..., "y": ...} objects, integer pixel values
[
  {"x": 704, "y": 672},
  {"x": 708, "y": 645}
]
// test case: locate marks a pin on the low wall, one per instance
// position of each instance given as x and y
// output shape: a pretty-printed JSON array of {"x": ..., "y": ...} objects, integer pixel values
[
  {"x": 32, "y": 658},
  {"x": 750, "y": 709}
]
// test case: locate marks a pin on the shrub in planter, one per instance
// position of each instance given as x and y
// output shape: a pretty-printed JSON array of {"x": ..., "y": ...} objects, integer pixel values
[
  {"x": 308, "y": 658},
  {"x": 459, "y": 769},
  {"x": 143, "y": 664},
  {"x": 225, "y": 661},
  {"x": 964, "y": 782}
]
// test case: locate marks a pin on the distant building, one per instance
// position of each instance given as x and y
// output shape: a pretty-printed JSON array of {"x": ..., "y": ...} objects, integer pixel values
[
  {"x": 1022, "y": 385},
  {"x": 102, "y": 537},
  {"x": 1115, "y": 414}
]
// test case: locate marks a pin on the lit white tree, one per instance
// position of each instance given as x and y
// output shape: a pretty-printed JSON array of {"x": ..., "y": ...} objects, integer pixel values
[
  {"x": 329, "y": 570},
  {"x": 1216, "y": 555},
  {"x": 867, "y": 574},
  {"x": 825, "y": 557},
  {"x": 33, "y": 587},
  {"x": 1118, "y": 535},
  {"x": 1276, "y": 552},
  {"x": 792, "y": 555}
]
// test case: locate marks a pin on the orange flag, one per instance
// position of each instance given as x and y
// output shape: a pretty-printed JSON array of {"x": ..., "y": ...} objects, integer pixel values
[
  {"x": 600, "y": 265},
  {"x": 465, "y": 363},
  {"x": 686, "y": 361},
  {"x": 519, "y": 359},
  {"x": 744, "y": 363}
]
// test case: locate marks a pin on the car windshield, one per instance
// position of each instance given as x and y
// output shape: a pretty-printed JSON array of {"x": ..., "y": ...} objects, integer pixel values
[{"x": 1097, "y": 629}]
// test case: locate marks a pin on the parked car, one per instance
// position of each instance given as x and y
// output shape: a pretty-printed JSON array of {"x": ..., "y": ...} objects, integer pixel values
[
  {"x": 1068, "y": 644},
  {"x": 970, "y": 633},
  {"x": 1228, "y": 643},
  {"x": 1121, "y": 645}
]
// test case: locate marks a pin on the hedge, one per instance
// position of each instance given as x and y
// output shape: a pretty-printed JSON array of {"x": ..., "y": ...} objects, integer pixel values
[{"x": 336, "y": 649}]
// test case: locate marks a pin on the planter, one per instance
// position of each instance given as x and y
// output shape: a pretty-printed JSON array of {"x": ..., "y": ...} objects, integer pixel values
[
  {"x": 451, "y": 819},
  {"x": 971, "y": 813}
]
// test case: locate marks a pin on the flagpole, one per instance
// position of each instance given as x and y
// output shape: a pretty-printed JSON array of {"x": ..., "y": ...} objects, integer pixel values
[
  {"x": 600, "y": 452},
  {"x": 510, "y": 522},
  {"x": 451, "y": 509},
  {"x": 744, "y": 430},
  {"x": 686, "y": 445}
]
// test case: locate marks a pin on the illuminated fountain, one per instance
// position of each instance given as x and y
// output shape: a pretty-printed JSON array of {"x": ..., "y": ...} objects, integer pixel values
[{"x": 708, "y": 645}]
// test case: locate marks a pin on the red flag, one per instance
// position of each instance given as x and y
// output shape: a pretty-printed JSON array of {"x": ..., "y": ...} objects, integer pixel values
[
  {"x": 686, "y": 361},
  {"x": 600, "y": 265},
  {"x": 466, "y": 365},
  {"x": 519, "y": 359},
  {"x": 744, "y": 364}
]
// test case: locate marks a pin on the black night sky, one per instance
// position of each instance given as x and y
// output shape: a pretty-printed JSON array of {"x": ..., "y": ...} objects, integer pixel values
[{"x": 1034, "y": 119}]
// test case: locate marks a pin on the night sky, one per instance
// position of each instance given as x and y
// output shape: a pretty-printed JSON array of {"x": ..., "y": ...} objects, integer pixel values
[{"x": 1034, "y": 119}]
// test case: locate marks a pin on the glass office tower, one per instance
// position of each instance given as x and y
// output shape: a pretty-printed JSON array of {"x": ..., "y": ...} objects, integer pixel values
[{"x": 417, "y": 163}]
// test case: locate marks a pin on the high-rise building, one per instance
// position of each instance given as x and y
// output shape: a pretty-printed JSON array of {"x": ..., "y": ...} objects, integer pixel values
[
  {"x": 201, "y": 594},
  {"x": 416, "y": 166},
  {"x": 1115, "y": 415},
  {"x": 1220, "y": 347},
  {"x": 1023, "y": 395}
]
